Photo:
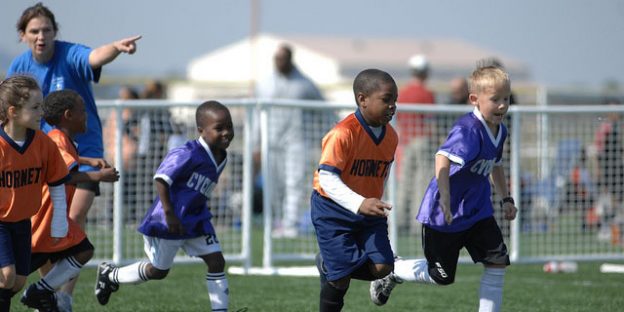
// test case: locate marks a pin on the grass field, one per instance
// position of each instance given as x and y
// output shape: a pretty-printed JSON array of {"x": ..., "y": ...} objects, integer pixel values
[{"x": 527, "y": 288}]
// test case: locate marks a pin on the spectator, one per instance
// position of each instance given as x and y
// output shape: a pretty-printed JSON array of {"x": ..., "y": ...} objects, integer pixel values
[
  {"x": 415, "y": 144},
  {"x": 153, "y": 128},
  {"x": 610, "y": 165},
  {"x": 287, "y": 140},
  {"x": 459, "y": 91},
  {"x": 58, "y": 65}
]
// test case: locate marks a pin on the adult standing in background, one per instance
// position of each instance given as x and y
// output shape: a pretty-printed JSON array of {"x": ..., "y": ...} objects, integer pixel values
[
  {"x": 415, "y": 150},
  {"x": 459, "y": 91},
  {"x": 287, "y": 137},
  {"x": 58, "y": 65}
]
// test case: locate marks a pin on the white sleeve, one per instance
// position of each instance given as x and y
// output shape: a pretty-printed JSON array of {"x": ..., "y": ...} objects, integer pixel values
[
  {"x": 59, "y": 211},
  {"x": 340, "y": 192}
]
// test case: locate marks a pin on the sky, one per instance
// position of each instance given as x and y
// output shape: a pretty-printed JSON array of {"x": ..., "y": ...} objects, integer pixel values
[{"x": 564, "y": 42}]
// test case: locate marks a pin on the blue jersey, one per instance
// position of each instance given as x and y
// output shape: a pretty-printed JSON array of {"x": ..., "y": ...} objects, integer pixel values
[
  {"x": 191, "y": 173},
  {"x": 69, "y": 68},
  {"x": 473, "y": 151}
]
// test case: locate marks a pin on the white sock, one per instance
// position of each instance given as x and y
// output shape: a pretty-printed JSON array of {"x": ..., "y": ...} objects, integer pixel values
[
  {"x": 218, "y": 291},
  {"x": 491, "y": 291},
  {"x": 130, "y": 274},
  {"x": 61, "y": 272},
  {"x": 413, "y": 270}
]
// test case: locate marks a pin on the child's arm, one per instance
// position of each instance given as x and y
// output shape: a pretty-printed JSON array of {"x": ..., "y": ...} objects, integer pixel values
[
  {"x": 173, "y": 222},
  {"x": 500, "y": 183},
  {"x": 59, "y": 225},
  {"x": 350, "y": 200},
  {"x": 93, "y": 162},
  {"x": 442, "y": 169},
  {"x": 103, "y": 175}
]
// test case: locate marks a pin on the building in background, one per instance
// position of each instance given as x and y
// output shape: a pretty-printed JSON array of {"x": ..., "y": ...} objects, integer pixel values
[{"x": 332, "y": 62}]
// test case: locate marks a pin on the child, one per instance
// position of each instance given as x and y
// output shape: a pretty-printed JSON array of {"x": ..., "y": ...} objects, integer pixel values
[
  {"x": 457, "y": 210},
  {"x": 347, "y": 213},
  {"x": 179, "y": 217},
  {"x": 30, "y": 159},
  {"x": 65, "y": 111}
]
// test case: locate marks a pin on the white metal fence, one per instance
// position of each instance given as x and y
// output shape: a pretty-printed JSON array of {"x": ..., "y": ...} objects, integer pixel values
[{"x": 554, "y": 163}]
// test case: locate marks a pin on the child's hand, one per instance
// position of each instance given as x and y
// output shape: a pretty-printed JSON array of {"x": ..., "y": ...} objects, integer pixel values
[
  {"x": 509, "y": 211},
  {"x": 109, "y": 175},
  {"x": 445, "y": 205},
  {"x": 374, "y": 207},
  {"x": 173, "y": 224}
]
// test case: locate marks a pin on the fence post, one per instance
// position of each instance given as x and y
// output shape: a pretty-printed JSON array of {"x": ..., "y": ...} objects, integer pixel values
[{"x": 118, "y": 191}]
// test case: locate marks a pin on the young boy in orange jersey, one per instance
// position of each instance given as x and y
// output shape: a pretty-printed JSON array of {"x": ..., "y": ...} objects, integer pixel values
[
  {"x": 29, "y": 161},
  {"x": 65, "y": 111},
  {"x": 347, "y": 212}
]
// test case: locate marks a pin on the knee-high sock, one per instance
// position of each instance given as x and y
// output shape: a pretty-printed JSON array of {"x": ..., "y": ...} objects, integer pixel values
[
  {"x": 61, "y": 272},
  {"x": 218, "y": 291},
  {"x": 5, "y": 299},
  {"x": 130, "y": 274},
  {"x": 413, "y": 270},
  {"x": 332, "y": 298},
  {"x": 491, "y": 291}
]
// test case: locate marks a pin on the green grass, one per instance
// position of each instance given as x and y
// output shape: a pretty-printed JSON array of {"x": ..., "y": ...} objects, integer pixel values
[{"x": 527, "y": 288}]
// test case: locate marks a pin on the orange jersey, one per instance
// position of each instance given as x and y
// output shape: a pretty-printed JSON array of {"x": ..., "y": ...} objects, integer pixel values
[
  {"x": 24, "y": 171},
  {"x": 42, "y": 241},
  {"x": 363, "y": 161}
]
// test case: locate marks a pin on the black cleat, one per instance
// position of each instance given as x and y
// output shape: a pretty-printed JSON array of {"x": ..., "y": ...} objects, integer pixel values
[
  {"x": 104, "y": 287},
  {"x": 40, "y": 299}
]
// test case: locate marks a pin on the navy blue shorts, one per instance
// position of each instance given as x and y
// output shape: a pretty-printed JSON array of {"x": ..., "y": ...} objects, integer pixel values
[
  {"x": 348, "y": 240},
  {"x": 38, "y": 259},
  {"x": 15, "y": 245}
]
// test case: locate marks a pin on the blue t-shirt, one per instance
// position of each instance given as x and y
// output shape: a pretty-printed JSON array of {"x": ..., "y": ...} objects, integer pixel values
[
  {"x": 69, "y": 68},
  {"x": 191, "y": 173},
  {"x": 473, "y": 151}
]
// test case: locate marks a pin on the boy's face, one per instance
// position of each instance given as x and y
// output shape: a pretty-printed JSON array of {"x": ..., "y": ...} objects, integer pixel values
[
  {"x": 217, "y": 129},
  {"x": 78, "y": 115},
  {"x": 493, "y": 103},
  {"x": 379, "y": 106},
  {"x": 29, "y": 115}
]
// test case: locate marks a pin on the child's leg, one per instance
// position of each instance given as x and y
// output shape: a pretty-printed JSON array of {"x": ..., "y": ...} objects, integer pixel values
[
  {"x": 216, "y": 281},
  {"x": 332, "y": 294},
  {"x": 14, "y": 259},
  {"x": 491, "y": 290},
  {"x": 208, "y": 248},
  {"x": 485, "y": 244},
  {"x": 82, "y": 201},
  {"x": 67, "y": 267}
]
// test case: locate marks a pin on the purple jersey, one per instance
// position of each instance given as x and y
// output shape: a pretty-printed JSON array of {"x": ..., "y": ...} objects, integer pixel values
[
  {"x": 473, "y": 151},
  {"x": 191, "y": 173}
]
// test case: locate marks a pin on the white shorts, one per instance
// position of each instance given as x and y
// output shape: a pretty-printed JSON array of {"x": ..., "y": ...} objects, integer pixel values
[{"x": 161, "y": 251}]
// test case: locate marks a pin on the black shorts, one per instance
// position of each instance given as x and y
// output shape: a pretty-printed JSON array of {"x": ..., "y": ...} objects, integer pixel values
[
  {"x": 38, "y": 259},
  {"x": 91, "y": 186},
  {"x": 484, "y": 242}
]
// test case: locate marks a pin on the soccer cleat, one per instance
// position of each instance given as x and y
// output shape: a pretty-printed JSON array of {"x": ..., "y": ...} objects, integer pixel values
[
  {"x": 320, "y": 266},
  {"x": 380, "y": 289},
  {"x": 40, "y": 299},
  {"x": 103, "y": 285}
]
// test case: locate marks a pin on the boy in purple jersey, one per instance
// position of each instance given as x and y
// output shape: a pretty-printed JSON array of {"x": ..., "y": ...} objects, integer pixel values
[
  {"x": 179, "y": 217},
  {"x": 456, "y": 210}
]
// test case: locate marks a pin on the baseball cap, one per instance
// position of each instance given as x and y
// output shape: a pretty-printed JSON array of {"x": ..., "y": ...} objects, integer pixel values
[{"x": 418, "y": 62}]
